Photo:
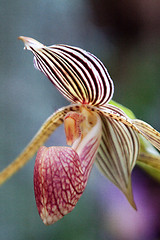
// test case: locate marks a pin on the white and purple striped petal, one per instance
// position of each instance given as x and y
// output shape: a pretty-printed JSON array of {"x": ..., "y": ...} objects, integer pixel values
[{"x": 77, "y": 74}]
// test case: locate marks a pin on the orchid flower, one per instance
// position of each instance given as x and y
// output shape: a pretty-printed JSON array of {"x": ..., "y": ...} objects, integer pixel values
[{"x": 96, "y": 131}]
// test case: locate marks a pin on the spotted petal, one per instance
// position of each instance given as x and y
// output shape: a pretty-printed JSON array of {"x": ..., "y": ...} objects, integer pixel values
[{"x": 77, "y": 74}]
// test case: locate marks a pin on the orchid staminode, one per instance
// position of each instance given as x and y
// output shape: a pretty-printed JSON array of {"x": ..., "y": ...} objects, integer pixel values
[{"x": 96, "y": 131}]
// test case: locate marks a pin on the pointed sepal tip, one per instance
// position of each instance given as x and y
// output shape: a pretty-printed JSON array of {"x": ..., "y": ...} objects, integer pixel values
[
  {"x": 30, "y": 43},
  {"x": 129, "y": 195}
]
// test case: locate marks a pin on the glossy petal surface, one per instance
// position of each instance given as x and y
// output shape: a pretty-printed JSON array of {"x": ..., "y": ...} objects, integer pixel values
[
  {"x": 58, "y": 182},
  {"x": 77, "y": 74},
  {"x": 61, "y": 174}
]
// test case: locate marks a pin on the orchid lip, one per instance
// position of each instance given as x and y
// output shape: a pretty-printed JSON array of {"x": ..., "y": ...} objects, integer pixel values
[
  {"x": 61, "y": 173},
  {"x": 97, "y": 131}
]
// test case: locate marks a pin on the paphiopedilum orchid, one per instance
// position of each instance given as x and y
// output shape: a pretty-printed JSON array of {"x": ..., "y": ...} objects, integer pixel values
[{"x": 96, "y": 130}]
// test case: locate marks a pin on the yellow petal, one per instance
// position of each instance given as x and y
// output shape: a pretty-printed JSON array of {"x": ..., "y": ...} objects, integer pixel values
[{"x": 148, "y": 132}]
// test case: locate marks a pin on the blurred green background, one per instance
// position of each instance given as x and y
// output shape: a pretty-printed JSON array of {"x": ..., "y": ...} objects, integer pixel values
[{"x": 125, "y": 36}]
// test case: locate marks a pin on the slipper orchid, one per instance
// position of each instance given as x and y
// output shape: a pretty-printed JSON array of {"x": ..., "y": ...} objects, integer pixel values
[{"x": 96, "y": 130}]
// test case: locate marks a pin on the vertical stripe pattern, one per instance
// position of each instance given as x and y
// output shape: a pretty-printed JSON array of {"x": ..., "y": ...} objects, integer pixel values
[
  {"x": 117, "y": 153},
  {"x": 77, "y": 74}
]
